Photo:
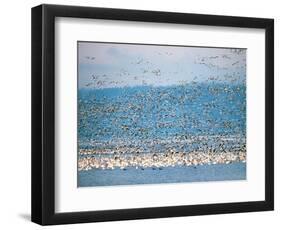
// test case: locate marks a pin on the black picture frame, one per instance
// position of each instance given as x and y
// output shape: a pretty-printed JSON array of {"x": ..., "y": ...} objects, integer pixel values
[{"x": 43, "y": 114}]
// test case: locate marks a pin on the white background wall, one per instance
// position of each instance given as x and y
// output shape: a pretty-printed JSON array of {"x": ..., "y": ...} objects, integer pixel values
[{"x": 15, "y": 114}]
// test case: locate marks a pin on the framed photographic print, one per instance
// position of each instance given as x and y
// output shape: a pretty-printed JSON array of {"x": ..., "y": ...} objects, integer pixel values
[{"x": 143, "y": 114}]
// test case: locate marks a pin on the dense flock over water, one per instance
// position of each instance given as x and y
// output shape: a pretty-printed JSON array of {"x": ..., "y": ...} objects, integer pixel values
[
  {"x": 152, "y": 123},
  {"x": 144, "y": 124}
]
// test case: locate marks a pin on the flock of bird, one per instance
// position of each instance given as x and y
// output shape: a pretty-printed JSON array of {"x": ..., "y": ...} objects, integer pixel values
[
  {"x": 159, "y": 161},
  {"x": 145, "y": 69},
  {"x": 189, "y": 124}
]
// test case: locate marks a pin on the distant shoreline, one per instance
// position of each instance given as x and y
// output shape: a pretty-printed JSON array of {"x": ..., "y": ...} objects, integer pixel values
[{"x": 191, "y": 83}]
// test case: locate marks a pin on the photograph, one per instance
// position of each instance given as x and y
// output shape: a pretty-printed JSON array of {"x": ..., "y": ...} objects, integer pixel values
[{"x": 158, "y": 113}]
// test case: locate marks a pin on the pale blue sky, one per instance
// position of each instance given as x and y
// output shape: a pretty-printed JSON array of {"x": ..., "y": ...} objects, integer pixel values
[{"x": 107, "y": 65}]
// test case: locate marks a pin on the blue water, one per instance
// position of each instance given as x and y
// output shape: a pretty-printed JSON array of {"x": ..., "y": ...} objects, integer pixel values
[{"x": 202, "y": 173}]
